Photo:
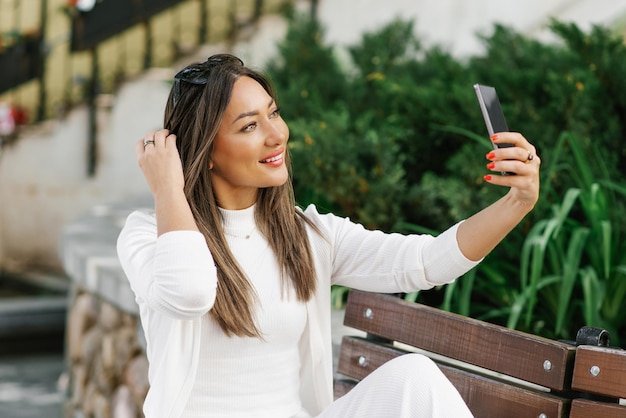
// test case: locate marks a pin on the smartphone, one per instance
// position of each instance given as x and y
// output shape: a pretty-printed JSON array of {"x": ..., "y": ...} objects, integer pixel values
[{"x": 492, "y": 111}]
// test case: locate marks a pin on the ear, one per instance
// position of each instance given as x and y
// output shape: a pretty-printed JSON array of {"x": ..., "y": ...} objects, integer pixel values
[{"x": 211, "y": 165}]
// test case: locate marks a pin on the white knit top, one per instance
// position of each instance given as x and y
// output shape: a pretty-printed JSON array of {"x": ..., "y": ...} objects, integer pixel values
[
  {"x": 224, "y": 386},
  {"x": 195, "y": 370}
]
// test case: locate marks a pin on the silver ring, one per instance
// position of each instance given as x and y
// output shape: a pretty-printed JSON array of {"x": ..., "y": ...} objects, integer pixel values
[
  {"x": 530, "y": 157},
  {"x": 148, "y": 141}
]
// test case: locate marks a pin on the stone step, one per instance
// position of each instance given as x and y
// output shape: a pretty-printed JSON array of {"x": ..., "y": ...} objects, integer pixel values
[
  {"x": 32, "y": 317},
  {"x": 35, "y": 282}
]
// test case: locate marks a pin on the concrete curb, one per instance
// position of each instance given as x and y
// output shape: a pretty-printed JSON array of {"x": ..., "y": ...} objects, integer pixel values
[{"x": 32, "y": 316}]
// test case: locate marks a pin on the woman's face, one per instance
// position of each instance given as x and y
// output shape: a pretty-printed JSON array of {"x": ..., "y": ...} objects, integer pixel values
[{"x": 250, "y": 146}]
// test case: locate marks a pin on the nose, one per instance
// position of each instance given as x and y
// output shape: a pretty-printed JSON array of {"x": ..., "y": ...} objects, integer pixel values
[{"x": 277, "y": 133}]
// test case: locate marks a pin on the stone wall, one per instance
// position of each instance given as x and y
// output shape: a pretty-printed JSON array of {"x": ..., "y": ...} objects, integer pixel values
[{"x": 107, "y": 367}]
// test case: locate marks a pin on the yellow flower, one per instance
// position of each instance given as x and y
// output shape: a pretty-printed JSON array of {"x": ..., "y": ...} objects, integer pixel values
[
  {"x": 363, "y": 186},
  {"x": 376, "y": 76},
  {"x": 308, "y": 140}
]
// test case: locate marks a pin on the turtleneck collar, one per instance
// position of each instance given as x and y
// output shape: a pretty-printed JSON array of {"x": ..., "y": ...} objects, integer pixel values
[{"x": 238, "y": 221}]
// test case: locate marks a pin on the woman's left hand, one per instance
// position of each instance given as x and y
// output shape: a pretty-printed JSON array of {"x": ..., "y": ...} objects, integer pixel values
[
  {"x": 522, "y": 160},
  {"x": 481, "y": 232}
]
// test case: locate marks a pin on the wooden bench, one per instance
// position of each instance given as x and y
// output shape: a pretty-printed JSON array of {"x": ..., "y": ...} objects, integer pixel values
[{"x": 499, "y": 372}]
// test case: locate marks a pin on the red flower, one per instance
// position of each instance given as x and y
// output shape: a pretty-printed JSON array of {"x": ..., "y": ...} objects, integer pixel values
[{"x": 19, "y": 115}]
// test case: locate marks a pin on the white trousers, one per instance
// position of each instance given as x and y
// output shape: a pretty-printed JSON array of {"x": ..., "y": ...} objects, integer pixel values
[{"x": 408, "y": 386}]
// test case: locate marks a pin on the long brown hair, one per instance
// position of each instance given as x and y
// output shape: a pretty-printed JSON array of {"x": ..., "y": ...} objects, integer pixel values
[{"x": 194, "y": 112}]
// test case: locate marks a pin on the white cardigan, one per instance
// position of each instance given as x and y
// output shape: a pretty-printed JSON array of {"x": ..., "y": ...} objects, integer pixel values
[{"x": 172, "y": 302}]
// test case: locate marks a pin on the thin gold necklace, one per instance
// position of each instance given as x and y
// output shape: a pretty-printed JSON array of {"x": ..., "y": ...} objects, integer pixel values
[{"x": 235, "y": 235}]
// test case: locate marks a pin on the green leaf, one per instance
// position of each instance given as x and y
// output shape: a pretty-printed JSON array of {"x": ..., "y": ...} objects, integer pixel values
[{"x": 570, "y": 272}]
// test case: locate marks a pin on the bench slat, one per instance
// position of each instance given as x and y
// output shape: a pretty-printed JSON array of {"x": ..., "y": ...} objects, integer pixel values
[
  {"x": 342, "y": 386},
  {"x": 582, "y": 408},
  {"x": 608, "y": 376},
  {"x": 485, "y": 396},
  {"x": 490, "y": 346}
]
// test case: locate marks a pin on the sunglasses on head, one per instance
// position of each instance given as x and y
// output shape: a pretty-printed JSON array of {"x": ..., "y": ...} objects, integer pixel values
[{"x": 199, "y": 73}]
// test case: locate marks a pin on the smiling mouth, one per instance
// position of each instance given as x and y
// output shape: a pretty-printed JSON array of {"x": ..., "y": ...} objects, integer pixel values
[{"x": 272, "y": 159}]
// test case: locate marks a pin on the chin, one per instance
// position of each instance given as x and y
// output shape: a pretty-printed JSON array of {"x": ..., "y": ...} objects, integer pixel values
[
  {"x": 278, "y": 183},
  {"x": 265, "y": 179},
  {"x": 278, "y": 179}
]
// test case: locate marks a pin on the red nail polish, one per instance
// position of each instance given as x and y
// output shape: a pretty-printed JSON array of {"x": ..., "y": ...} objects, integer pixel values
[
  {"x": 487, "y": 177},
  {"x": 491, "y": 165},
  {"x": 494, "y": 137},
  {"x": 491, "y": 155}
]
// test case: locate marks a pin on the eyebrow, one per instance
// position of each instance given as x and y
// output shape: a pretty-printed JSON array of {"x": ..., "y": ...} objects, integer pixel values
[{"x": 253, "y": 112}]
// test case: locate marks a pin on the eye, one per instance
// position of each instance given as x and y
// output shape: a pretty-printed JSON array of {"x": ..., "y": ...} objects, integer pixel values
[
  {"x": 275, "y": 113},
  {"x": 249, "y": 127}
]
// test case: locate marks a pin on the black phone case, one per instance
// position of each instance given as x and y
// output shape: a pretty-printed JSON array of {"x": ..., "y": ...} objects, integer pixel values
[{"x": 492, "y": 113}]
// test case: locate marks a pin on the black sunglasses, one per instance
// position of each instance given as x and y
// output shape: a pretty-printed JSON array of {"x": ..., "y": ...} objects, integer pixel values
[{"x": 199, "y": 73}]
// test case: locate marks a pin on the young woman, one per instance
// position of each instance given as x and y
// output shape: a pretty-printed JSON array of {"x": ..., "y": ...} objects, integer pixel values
[{"x": 233, "y": 280}]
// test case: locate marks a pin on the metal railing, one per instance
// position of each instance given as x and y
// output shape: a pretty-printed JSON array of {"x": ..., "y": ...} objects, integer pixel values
[{"x": 53, "y": 55}]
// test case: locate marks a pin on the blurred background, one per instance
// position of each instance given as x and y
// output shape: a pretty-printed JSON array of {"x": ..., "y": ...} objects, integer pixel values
[{"x": 385, "y": 129}]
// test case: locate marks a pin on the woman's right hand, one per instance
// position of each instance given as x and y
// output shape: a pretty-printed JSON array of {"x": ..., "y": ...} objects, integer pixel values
[
  {"x": 163, "y": 170},
  {"x": 159, "y": 160}
]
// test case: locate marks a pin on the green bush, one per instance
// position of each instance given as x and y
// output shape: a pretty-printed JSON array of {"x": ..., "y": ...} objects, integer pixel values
[
  {"x": 392, "y": 137},
  {"x": 573, "y": 262}
]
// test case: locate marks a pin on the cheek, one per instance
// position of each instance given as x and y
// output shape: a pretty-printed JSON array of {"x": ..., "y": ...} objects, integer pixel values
[
  {"x": 226, "y": 150},
  {"x": 233, "y": 159}
]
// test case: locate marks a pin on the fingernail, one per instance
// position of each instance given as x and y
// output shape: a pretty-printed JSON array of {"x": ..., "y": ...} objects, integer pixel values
[
  {"x": 487, "y": 177},
  {"x": 491, "y": 155},
  {"x": 494, "y": 137},
  {"x": 491, "y": 165}
]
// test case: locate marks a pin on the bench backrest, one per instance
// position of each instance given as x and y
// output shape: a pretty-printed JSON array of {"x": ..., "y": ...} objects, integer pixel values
[{"x": 498, "y": 371}]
